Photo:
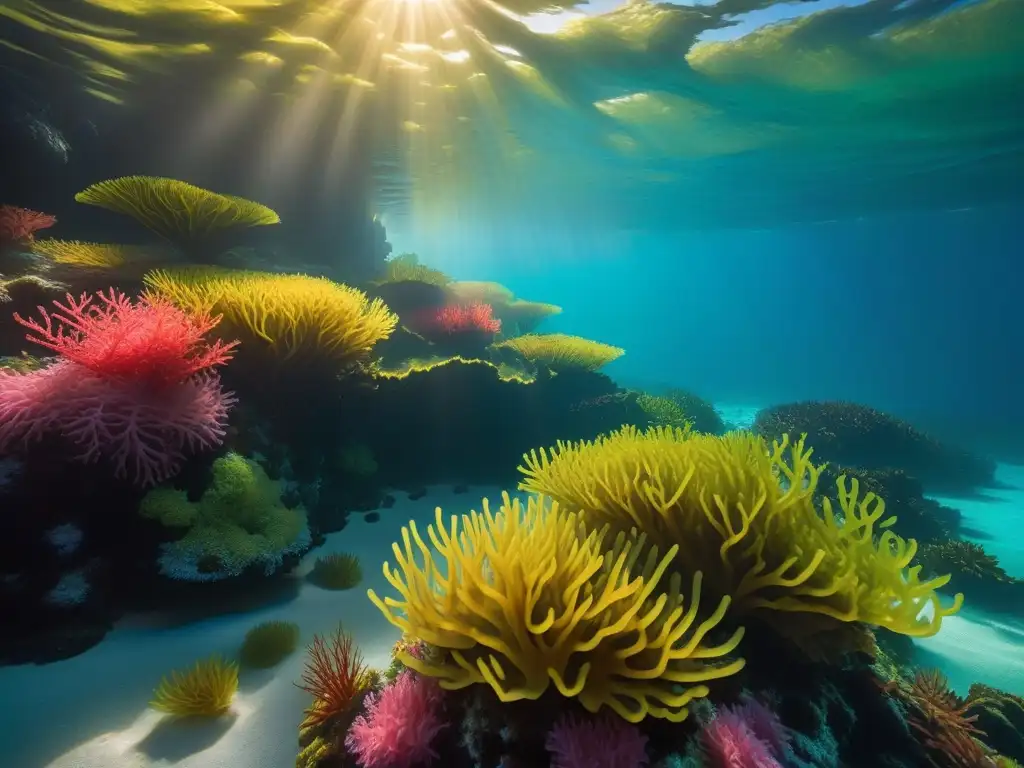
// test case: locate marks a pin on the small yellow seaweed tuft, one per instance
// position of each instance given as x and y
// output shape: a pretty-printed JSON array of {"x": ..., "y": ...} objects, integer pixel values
[{"x": 205, "y": 689}]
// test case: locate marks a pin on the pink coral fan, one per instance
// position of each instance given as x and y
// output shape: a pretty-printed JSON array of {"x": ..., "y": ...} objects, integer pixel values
[
  {"x": 19, "y": 225},
  {"x": 151, "y": 343},
  {"x": 603, "y": 742},
  {"x": 139, "y": 392},
  {"x": 399, "y": 725},
  {"x": 730, "y": 742}
]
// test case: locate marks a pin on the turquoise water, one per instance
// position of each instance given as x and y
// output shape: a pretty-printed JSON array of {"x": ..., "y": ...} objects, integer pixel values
[{"x": 342, "y": 263}]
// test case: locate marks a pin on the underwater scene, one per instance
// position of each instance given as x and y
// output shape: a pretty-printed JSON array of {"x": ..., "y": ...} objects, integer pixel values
[{"x": 511, "y": 384}]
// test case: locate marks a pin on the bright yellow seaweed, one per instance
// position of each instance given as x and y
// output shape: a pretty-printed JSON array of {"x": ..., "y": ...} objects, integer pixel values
[
  {"x": 294, "y": 316},
  {"x": 528, "y": 597},
  {"x": 560, "y": 351},
  {"x": 744, "y": 514},
  {"x": 177, "y": 211}
]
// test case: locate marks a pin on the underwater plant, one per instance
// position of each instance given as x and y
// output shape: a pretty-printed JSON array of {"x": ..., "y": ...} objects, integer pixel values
[
  {"x": 205, "y": 689},
  {"x": 399, "y": 724},
  {"x": 335, "y": 676},
  {"x": 339, "y": 570},
  {"x": 743, "y": 514},
  {"x": 134, "y": 384},
  {"x": 239, "y": 522},
  {"x": 523, "y": 599},
  {"x": 602, "y": 742},
  {"x": 559, "y": 351},
  {"x": 266, "y": 644},
  {"x": 177, "y": 211},
  {"x": 296, "y": 318}
]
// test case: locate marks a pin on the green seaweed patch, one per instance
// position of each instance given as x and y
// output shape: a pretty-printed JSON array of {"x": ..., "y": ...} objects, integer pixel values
[
  {"x": 267, "y": 644},
  {"x": 336, "y": 571}
]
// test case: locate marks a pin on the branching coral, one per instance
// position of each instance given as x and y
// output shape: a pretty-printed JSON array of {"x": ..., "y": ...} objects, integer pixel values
[
  {"x": 150, "y": 343},
  {"x": 743, "y": 513},
  {"x": 296, "y": 317},
  {"x": 177, "y": 211},
  {"x": 134, "y": 385},
  {"x": 205, "y": 689},
  {"x": 530, "y": 597},
  {"x": 559, "y": 351}
]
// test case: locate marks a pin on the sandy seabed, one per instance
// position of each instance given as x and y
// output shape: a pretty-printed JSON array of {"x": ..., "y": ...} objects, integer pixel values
[{"x": 91, "y": 711}]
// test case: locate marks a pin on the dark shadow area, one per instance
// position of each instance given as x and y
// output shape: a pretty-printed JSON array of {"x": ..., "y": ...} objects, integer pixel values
[
  {"x": 175, "y": 738},
  {"x": 967, "y": 532},
  {"x": 976, "y": 495},
  {"x": 207, "y": 601},
  {"x": 251, "y": 680}
]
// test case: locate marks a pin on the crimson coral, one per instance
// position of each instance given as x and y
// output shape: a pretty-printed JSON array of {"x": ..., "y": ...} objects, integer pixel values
[
  {"x": 151, "y": 343},
  {"x": 399, "y": 725},
  {"x": 134, "y": 385}
]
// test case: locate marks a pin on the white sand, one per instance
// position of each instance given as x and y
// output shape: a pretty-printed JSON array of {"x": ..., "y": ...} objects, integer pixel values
[
  {"x": 975, "y": 646},
  {"x": 91, "y": 711}
]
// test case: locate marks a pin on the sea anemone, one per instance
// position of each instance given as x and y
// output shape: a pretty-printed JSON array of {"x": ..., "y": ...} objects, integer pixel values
[{"x": 205, "y": 689}]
